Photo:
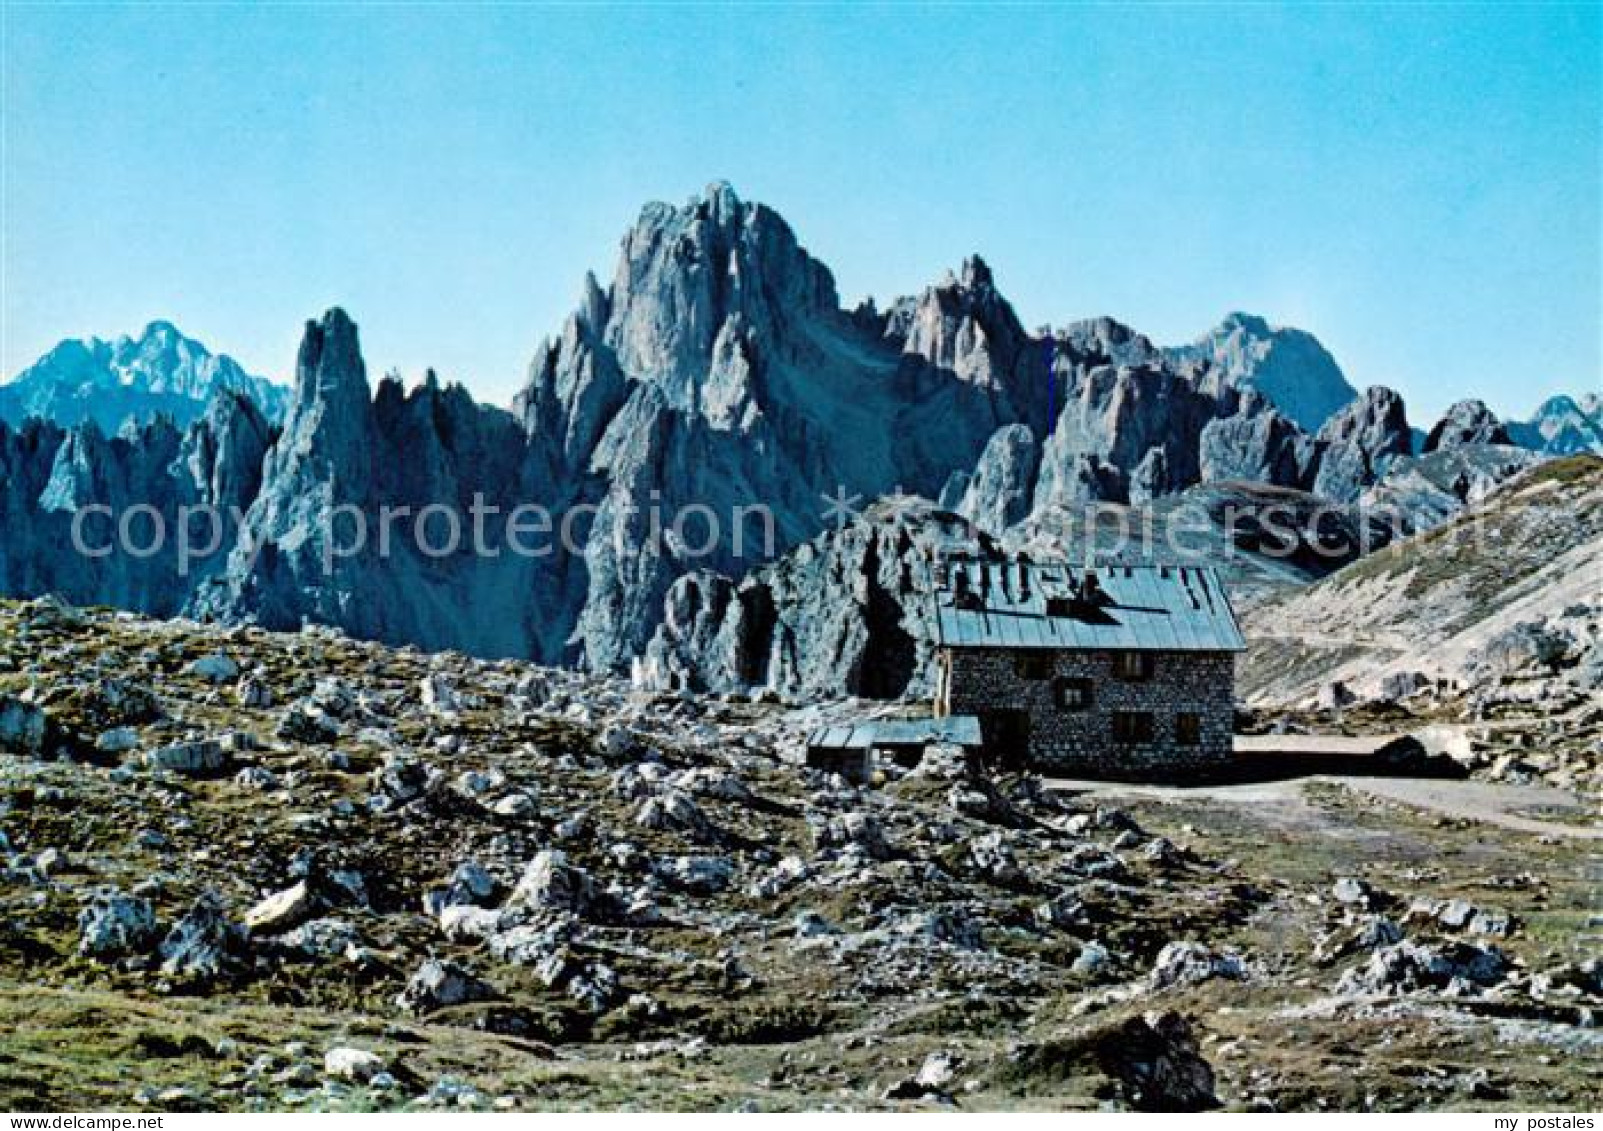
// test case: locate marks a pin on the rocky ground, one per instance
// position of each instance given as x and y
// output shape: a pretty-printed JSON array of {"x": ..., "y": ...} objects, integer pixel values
[{"x": 256, "y": 871}]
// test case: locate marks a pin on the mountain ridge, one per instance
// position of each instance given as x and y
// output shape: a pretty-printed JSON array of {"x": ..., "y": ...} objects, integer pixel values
[
  {"x": 716, "y": 369},
  {"x": 161, "y": 371}
]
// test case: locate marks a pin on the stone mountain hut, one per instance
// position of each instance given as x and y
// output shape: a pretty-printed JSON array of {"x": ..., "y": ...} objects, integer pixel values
[{"x": 1116, "y": 671}]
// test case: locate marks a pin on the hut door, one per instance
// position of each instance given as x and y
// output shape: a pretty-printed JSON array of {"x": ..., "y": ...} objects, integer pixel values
[{"x": 1007, "y": 738}]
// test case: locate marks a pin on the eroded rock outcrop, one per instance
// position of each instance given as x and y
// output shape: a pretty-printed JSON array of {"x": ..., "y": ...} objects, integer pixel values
[
  {"x": 1358, "y": 443},
  {"x": 1466, "y": 422},
  {"x": 847, "y": 613}
]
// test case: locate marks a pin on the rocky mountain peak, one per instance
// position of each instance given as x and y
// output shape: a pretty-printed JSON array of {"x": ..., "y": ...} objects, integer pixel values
[
  {"x": 1360, "y": 441},
  {"x": 330, "y": 366},
  {"x": 594, "y": 304},
  {"x": 1378, "y": 419},
  {"x": 1287, "y": 365},
  {"x": 159, "y": 372},
  {"x": 1105, "y": 340},
  {"x": 160, "y": 330},
  {"x": 965, "y": 326},
  {"x": 1244, "y": 322},
  {"x": 327, "y": 430},
  {"x": 975, "y": 274},
  {"x": 683, "y": 273},
  {"x": 1563, "y": 425},
  {"x": 1467, "y": 422}
]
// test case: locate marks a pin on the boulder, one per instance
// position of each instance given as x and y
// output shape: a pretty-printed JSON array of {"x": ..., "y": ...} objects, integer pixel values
[
  {"x": 192, "y": 759},
  {"x": 282, "y": 910},
  {"x": 551, "y": 883},
  {"x": 116, "y": 925},
  {"x": 199, "y": 944},
  {"x": 352, "y": 1065},
  {"x": 23, "y": 727},
  {"x": 215, "y": 668},
  {"x": 438, "y": 985},
  {"x": 1188, "y": 963}
]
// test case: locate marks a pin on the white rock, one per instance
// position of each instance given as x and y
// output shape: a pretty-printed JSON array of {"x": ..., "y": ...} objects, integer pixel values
[
  {"x": 281, "y": 910},
  {"x": 356, "y": 1065},
  {"x": 204, "y": 756},
  {"x": 513, "y": 805},
  {"x": 462, "y": 922},
  {"x": 438, "y": 695},
  {"x": 253, "y": 692}
]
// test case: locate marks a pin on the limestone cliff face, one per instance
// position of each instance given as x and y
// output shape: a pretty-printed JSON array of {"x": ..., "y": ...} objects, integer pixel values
[
  {"x": 997, "y": 495},
  {"x": 54, "y": 481},
  {"x": 1125, "y": 432},
  {"x": 719, "y": 371},
  {"x": 1258, "y": 443},
  {"x": 223, "y": 456}
]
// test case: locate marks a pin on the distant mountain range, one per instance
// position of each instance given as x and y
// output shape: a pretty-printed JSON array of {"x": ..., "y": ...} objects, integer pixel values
[
  {"x": 717, "y": 369},
  {"x": 1563, "y": 426},
  {"x": 164, "y": 372},
  {"x": 161, "y": 371}
]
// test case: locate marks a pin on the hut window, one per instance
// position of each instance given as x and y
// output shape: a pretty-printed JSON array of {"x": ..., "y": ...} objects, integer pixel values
[
  {"x": 1072, "y": 694},
  {"x": 1033, "y": 665},
  {"x": 1133, "y": 667},
  {"x": 1187, "y": 729},
  {"x": 1132, "y": 726}
]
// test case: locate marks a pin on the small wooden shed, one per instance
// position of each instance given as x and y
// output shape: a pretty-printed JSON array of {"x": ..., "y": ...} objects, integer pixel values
[{"x": 850, "y": 749}]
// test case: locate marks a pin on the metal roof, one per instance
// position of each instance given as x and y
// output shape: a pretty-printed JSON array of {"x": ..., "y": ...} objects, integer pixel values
[
  {"x": 1141, "y": 609},
  {"x": 964, "y": 730}
]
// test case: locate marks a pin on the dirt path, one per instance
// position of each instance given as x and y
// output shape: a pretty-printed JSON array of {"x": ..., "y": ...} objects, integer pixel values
[{"x": 1491, "y": 802}]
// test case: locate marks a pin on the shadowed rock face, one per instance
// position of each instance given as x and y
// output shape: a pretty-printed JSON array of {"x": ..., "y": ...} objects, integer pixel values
[
  {"x": 345, "y": 455},
  {"x": 54, "y": 481},
  {"x": 848, "y": 613},
  {"x": 998, "y": 493},
  {"x": 1258, "y": 443}
]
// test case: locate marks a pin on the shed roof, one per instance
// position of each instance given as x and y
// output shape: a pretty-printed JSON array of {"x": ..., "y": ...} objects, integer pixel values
[
  {"x": 963, "y": 730},
  {"x": 1127, "y": 608}
]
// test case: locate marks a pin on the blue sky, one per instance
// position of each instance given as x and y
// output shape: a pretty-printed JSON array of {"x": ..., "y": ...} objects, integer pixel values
[{"x": 1417, "y": 185}]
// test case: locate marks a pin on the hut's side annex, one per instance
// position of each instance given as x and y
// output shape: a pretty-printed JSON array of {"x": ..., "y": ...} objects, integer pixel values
[{"x": 1115, "y": 671}]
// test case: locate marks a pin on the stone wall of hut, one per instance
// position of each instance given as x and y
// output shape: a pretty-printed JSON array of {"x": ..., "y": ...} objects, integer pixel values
[{"x": 987, "y": 682}]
